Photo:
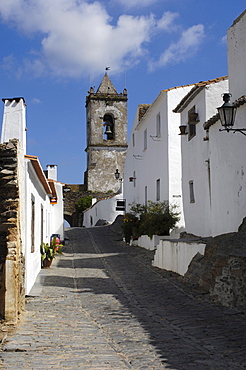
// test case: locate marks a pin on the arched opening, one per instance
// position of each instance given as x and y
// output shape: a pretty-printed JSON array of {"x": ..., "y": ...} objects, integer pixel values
[
  {"x": 68, "y": 220},
  {"x": 108, "y": 123}
]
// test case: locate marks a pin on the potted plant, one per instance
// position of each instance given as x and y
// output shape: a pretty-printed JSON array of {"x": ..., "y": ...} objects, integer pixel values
[{"x": 49, "y": 251}]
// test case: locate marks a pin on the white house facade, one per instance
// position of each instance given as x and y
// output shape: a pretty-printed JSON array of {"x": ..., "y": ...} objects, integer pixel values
[
  {"x": 198, "y": 158},
  {"x": 105, "y": 210},
  {"x": 153, "y": 162},
  {"x": 41, "y": 200},
  {"x": 228, "y": 149}
]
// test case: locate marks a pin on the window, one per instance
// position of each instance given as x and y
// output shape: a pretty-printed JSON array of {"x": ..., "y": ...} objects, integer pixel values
[
  {"x": 192, "y": 121},
  {"x": 145, "y": 139},
  {"x": 192, "y": 196},
  {"x": 133, "y": 140},
  {"x": 121, "y": 205},
  {"x": 158, "y": 190},
  {"x": 158, "y": 125},
  {"x": 146, "y": 195},
  {"x": 134, "y": 179},
  {"x": 42, "y": 224},
  {"x": 32, "y": 224}
]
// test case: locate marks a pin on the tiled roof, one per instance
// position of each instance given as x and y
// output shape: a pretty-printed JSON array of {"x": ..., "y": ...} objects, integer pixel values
[
  {"x": 36, "y": 165},
  {"x": 238, "y": 18},
  {"x": 194, "y": 92},
  {"x": 53, "y": 189},
  {"x": 145, "y": 107}
]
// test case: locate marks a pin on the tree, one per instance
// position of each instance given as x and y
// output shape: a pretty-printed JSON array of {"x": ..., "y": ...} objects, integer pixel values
[{"x": 83, "y": 203}]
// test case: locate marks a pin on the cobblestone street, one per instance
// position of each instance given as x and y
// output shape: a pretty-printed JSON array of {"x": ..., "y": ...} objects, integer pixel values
[{"x": 102, "y": 305}]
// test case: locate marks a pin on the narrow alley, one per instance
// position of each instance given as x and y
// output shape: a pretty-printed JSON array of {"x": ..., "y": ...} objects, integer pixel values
[{"x": 102, "y": 305}]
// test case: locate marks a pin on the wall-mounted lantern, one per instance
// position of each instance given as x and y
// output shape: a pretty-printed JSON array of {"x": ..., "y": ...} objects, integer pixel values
[
  {"x": 117, "y": 175},
  {"x": 227, "y": 114}
]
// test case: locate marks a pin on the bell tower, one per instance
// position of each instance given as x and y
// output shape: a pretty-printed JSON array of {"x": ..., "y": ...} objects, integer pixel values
[{"x": 106, "y": 116}]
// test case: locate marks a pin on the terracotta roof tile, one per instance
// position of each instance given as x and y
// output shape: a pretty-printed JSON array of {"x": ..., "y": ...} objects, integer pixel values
[{"x": 195, "y": 91}]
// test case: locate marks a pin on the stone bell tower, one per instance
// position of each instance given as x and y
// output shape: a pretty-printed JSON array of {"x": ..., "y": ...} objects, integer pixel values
[{"x": 106, "y": 115}]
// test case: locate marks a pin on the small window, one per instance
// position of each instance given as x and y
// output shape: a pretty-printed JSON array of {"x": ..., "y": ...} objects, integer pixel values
[
  {"x": 146, "y": 195},
  {"x": 134, "y": 179},
  {"x": 158, "y": 190},
  {"x": 33, "y": 225},
  {"x": 192, "y": 196},
  {"x": 158, "y": 125},
  {"x": 192, "y": 121},
  {"x": 145, "y": 139},
  {"x": 121, "y": 205},
  {"x": 133, "y": 140}
]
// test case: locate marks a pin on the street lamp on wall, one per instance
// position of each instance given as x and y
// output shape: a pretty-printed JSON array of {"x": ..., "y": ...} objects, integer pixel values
[
  {"x": 117, "y": 175},
  {"x": 227, "y": 114}
]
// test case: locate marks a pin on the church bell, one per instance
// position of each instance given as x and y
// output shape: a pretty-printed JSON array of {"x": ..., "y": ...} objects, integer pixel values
[{"x": 108, "y": 130}]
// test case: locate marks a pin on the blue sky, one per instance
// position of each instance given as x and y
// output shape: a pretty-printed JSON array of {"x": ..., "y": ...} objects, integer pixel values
[{"x": 52, "y": 51}]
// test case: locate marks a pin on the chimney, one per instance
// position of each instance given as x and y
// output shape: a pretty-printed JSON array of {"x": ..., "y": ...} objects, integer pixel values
[
  {"x": 51, "y": 171},
  {"x": 14, "y": 121}
]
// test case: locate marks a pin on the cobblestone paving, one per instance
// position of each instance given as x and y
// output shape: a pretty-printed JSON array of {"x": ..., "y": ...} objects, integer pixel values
[{"x": 103, "y": 306}]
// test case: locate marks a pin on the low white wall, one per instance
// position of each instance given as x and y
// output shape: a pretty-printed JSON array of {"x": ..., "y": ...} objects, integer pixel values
[
  {"x": 102, "y": 210},
  {"x": 176, "y": 255},
  {"x": 150, "y": 244}
]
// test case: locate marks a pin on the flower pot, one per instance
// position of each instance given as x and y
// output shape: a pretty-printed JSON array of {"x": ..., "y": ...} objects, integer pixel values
[
  {"x": 47, "y": 263},
  {"x": 183, "y": 130}
]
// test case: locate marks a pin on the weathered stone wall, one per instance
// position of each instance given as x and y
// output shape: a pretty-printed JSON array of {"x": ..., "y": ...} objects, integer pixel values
[
  {"x": 221, "y": 272},
  {"x": 12, "y": 294}
]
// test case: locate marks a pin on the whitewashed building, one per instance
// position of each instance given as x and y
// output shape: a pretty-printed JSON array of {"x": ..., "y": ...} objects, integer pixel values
[
  {"x": 41, "y": 200},
  {"x": 153, "y": 162},
  {"x": 199, "y": 167},
  {"x": 228, "y": 149},
  {"x": 104, "y": 211}
]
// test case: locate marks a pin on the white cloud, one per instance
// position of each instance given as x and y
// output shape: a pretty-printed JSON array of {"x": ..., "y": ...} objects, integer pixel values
[
  {"x": 136, "y": 3},
  {"x": 78, "y": 37},
  {"x": 166, "y": 23},
  {"x": 36, "y": 101},
  {"x": 186, "y": 47}
]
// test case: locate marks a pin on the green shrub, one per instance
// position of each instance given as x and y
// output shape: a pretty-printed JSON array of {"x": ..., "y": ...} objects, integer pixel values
[
  {"x": 83, "y": 203},
  {"x": 155, "y": 218}
]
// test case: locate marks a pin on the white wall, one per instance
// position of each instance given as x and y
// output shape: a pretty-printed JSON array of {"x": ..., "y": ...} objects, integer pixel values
[
  {"x": 197, "y": 157},
  {"x": 228, "y": 171},
  {"x": 102, "y": 210},
  {"x": 36, "y": 192},
  {"x": 176, "y": 255},
  {"x": 236, "y": 41},
  {"x": 57, "y": 217},
  {"x": 162, "y": 158}
]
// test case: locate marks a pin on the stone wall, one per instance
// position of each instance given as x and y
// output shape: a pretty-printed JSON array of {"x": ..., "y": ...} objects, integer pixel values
[
  {"x": 221, "y": 272},
  {"x": 12, "y": 294}
]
